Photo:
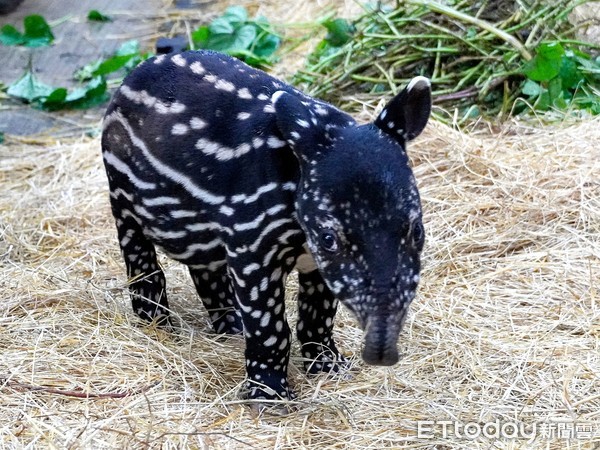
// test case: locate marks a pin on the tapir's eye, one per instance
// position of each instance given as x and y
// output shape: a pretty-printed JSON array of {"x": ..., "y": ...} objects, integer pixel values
[
  {"x": 329, "y": 240},
  {"x": 418, "y": 235}
]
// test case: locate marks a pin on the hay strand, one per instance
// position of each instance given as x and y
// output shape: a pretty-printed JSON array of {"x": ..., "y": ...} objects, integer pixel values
[{"x": 506, "y": 324}]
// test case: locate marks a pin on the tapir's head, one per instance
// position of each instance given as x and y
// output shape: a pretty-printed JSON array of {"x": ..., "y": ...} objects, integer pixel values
[{"x": 359, "y": 206}]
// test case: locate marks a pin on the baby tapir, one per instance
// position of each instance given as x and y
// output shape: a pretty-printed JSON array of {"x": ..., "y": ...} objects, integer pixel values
[{"x": 243, "y": 178}]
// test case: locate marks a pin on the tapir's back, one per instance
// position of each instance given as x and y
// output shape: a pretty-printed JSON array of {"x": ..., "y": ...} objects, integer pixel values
[{"x": 204, "y": 113}]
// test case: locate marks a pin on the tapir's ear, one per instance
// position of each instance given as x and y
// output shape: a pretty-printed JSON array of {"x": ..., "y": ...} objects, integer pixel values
[
  {"x": 295, "y": 120},
  {"x": 405, "y": 116}
]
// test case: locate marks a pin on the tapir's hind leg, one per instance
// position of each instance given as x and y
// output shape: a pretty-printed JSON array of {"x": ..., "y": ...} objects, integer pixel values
[{"x": 146, "y": 278}]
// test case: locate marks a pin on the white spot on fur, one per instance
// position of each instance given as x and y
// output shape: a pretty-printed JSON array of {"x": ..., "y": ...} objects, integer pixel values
[
  {"x": 253, "y": 197},
  {"x": 210, "y": 78},
  {"x": 224, "y": 85},
  {"x": 221, "y": 152},
  {"x": 320, "y": 110},
  {"x": 244, "y": 93},
  {"x": 243, "y": 115},
  {"x": 159, "y": 201},
  {"x": 143, "y": 98},
  {"x": 228, "y": 211},
  {"x": 249, "y": 269},
  {"x": 182, "y": 213},
  {"x": 270, "y": 342},
  {"x": 265, "y": 319},
  {"x": 179, "y": 60},
  {"x": 257, "y": 142},
  {"x": 197, "y": 68},
  {"x": 197, "y": 123},
  {"x": 179, "y": 129},
  {"x": 274, "y": 142}
]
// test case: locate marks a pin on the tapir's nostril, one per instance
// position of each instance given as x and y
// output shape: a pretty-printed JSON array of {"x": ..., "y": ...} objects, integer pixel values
[{"x": 387, "y": 356}]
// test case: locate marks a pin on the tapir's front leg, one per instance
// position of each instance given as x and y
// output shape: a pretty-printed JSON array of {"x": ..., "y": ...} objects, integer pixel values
[
  {"x": 316, "y": 312},
  {"x": 260, "y": 293}
]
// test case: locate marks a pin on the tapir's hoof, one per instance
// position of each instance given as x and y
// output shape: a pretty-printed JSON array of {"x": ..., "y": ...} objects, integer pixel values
[{"x": 265, "y": 409}]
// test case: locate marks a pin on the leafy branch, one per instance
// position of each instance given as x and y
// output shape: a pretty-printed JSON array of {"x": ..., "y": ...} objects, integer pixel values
[{"x": 478, "y": 63}]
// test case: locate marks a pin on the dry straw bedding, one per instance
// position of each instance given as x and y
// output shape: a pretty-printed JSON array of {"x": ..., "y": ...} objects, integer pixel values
[{"x": 506, "y": 324}]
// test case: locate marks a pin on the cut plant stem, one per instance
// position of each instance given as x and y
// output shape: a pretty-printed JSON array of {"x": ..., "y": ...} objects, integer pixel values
[{"x": 442, "y": 9}]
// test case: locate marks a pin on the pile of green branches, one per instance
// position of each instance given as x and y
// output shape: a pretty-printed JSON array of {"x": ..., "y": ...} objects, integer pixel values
[{"x": 476, "y": 53}]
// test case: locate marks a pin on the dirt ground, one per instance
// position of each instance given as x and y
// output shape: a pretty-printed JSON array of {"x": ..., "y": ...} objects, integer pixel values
[{"x": 504, "y": 333}]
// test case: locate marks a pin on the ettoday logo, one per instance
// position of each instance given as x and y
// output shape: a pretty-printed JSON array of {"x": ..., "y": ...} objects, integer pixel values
[
  {"x": 505, "y": 430},
  {"x": 429, "y": 429}
]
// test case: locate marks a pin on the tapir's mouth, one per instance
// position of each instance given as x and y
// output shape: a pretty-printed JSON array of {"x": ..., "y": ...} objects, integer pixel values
[
  {"x": 381, "y": 325},
  {"x": 380, "y": 341}
]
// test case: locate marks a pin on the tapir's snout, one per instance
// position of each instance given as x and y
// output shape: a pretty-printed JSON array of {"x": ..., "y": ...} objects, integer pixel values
[
  {"x": 380, "y": 341},
  {"x": 380, "y": 356}
]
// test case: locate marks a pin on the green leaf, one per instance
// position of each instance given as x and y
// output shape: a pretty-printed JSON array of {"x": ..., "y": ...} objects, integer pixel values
[
  {"x": 56, "y": 98},
  {"x": 244, "y": 37},
  {"x": 9, "y": 35},
  {"x": 37, "y": 31},
  {"x": 126, "y": 56},
  {"x": 112, "y": 64},
  {"x": 221, "y": 26},
  {"x": 1, "y": 137},
  {"x": 96, "y": 16},
  {"x": 587, "y": 100},
  {"x": 29, "y": 88},
  {"x": 546, "y": 63},
  {"x": 531, "y": 88},
  {"x": 128, "y": 48},
  {"x": 201, "y": 35},
  {"x": 569, "y": 72},
  {"x": 340, "y": 31},
  {"x": 266, "y": 44},
  {"x": 555, "y": 90},
  {"x": 233, "y": 33},
  {"x": 220, "y": 42},
  {"x": 92, "y": 94},
  {"x": 543, "y": 103},
  {"x": 236, "y": 14},
  {"x": 551, "y": 50},
  {"x": 87, "y": 72},
  {"x": 241, "y": 39},
  {"x": 95, "y": 94}
]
